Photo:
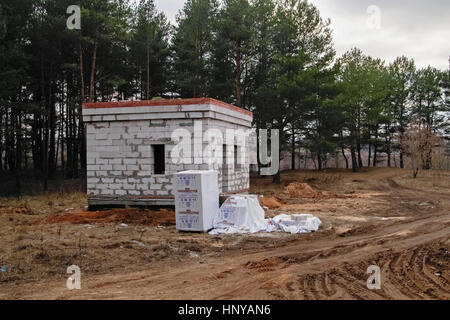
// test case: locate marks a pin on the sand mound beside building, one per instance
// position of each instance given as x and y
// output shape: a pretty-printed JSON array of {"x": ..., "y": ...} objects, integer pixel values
[
  {"x": 270, "y": 202},
  {"x": 301, "y": 190},
  {"x": 305, "y": 191}
]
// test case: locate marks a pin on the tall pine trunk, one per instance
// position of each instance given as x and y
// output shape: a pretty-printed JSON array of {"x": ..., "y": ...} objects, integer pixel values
[
  {"x": 277, "y": 176},
  {"x": 44, "y": 148},
  {"x": 375, "y": 154},
  {"x": 238, "y": 78},
  {"x": 293, "y": 151},
  {"x": 375, "y": 149},
  {"x": 1, "y": 139},
  {"x": 319, "y": 162},
  {"x": 353, "y": 143},
  {"x": 81, "y": 75},
  {"x": 148, "y": 72},
  {"x": 92, "y": 82},
  {"x": 18, "y": 149},
  {"x": 402, "y": 163},
  {"x": 52, "y": 125},
  {"x": 358, "y": 147},
  {"x": 388, "y": 147},
  {"x": 354, "y": 161},
  {"x": 345, "y": 157}
]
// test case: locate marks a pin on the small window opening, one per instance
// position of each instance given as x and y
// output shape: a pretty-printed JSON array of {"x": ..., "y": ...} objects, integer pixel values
[{"x": 160, "y": 158}]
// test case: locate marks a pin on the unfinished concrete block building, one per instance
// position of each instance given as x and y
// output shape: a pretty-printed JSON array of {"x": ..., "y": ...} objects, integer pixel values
[{"x": 129, "y": 146}]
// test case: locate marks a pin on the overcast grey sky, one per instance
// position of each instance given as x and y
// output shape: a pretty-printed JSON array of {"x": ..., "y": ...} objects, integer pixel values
[{"x": 419, "y": 29}]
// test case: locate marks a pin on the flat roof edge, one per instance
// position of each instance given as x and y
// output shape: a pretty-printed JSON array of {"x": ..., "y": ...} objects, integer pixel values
[{"x": 169, "y": 102}]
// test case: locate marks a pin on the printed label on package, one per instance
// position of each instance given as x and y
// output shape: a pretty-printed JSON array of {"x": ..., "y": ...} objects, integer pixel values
[{"x": 187, "y": 221}]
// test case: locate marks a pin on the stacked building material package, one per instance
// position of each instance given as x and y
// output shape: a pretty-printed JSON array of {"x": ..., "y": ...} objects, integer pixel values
[{"x": 196, "y": 200}]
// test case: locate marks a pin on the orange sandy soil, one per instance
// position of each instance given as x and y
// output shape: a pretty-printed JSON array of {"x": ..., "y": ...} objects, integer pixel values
[
  {"x": 122, "y": 216},
  {"x": 376, "y": 217}
]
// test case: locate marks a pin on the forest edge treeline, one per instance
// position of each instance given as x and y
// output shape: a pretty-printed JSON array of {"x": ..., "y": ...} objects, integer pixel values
[{"x": 275, "y": 58}]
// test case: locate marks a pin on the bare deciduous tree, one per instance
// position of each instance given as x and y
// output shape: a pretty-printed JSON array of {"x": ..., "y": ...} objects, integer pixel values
[{"x": 423, "y": 147}]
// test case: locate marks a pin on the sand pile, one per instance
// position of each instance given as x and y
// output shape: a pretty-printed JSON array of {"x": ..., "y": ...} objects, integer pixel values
[
  {"x": 301, "y": 190},
  {"x": 127, "y": 216},
  {"x": 270, "y": 202},
  {"x": 305, "y": 191}
]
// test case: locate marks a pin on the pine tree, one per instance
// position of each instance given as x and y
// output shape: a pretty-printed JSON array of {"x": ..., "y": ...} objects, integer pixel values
[
  {"x": 149, "y": 49},
  {"x": 401, "y": 71},
  {"x": 191, "y": 68},
  {"x": 231, "y": 50},
  {"x": 14, "y": 97},
  {"x": 301, "y": 74}
]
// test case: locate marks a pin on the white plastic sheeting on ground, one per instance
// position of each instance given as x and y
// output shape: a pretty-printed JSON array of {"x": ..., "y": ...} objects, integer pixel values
[
  {"x": 294, "y": 224},
  {"x": 243, "y": 214}
]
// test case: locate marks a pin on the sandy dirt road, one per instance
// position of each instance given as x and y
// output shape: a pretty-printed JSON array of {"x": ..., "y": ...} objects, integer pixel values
[{"x": 411, "y": 247}]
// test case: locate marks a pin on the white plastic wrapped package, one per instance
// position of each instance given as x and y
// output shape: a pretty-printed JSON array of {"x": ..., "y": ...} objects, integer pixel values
[
  {"x": 196, "y": 199},
  {"x": 240, "y": 214}
]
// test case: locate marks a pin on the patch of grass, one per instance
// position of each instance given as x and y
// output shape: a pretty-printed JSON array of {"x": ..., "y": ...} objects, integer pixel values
[
  {"x": 321, "y": 180},
  {"x": 46, "y": 203},
  {"x": 426, "y": 179}
]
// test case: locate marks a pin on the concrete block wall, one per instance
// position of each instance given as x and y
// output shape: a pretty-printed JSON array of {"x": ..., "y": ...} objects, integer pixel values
[
  {"x": 120, "y": 159},
  {"x": 232, "y": 178}
]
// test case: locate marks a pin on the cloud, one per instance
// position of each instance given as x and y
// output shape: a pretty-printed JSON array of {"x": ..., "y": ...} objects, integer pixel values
[{"x": 415, "y": 28}]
